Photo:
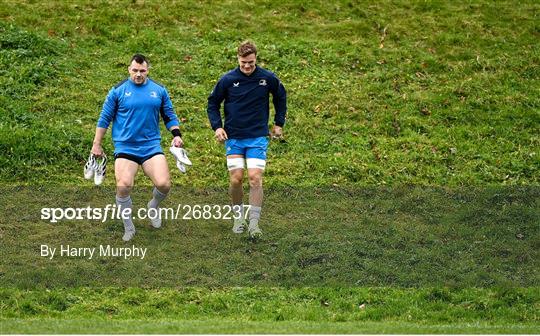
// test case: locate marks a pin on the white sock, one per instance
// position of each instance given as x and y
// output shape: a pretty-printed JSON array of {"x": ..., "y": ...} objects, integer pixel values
[
  {"x": 238, "y": 209},
  {"x": 126, "y": 203},
  {"x": 155, "y": 218},
  {"x": 158, "y": 197},
  {"x": 254, "y": 215}
]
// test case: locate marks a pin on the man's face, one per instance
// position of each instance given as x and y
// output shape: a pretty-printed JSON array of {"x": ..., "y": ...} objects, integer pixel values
[
  {"x": 247, "y": 63},
  {"x": 138, "y": 72}
]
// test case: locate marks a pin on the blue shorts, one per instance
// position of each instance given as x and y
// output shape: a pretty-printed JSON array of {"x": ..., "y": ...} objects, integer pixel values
[{"x": 250, "y": 148}]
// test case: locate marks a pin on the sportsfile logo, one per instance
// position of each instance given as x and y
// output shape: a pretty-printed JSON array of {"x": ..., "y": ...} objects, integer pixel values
[
  {"x": 117, "y": 212},
  {"x": 112, "y": 211}
]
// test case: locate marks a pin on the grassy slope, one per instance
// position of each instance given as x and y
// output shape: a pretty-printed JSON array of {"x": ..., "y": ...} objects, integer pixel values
[{"x": 449, "y": 99}]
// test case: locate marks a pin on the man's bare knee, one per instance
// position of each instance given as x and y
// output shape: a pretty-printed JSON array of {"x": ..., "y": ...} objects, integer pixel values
[
  {"x": 164, "y": 186},
  {"x": 255, "y": 179},
  {"x": 236, "y": 177},
  {"x": 255, "y": 182},
  {"x": 123, "y": 189}
]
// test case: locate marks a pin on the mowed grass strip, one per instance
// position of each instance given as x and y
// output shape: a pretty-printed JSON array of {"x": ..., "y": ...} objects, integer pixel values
[
  {"x": 277, "y": 309},
  {"x": 221, "y": 326}
]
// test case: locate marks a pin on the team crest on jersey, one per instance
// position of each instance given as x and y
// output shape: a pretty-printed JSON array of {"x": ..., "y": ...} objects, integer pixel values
[
  {"x": 236, "y": 84},
  {"x": 128, "y": 93},
  {"x": 262, "y": 82},
  {"x": 153, "y": 94}
]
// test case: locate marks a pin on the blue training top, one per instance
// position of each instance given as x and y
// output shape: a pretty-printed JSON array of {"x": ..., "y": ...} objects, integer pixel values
[
  {"x": 247, "y": 106},
  {"x": 135, "y": 110}
]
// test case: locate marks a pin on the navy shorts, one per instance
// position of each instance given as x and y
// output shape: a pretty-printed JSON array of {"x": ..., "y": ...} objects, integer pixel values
[{"x": 135, "y": 158}]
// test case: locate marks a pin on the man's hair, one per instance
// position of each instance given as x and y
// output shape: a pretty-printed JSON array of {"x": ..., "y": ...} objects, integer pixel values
[
  {"x": 247, "y": 48},
  {"x": 139, "y": 58}
]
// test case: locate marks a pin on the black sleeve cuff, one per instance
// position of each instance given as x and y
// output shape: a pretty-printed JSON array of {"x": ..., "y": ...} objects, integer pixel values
[{"x": 176, "y": 133}]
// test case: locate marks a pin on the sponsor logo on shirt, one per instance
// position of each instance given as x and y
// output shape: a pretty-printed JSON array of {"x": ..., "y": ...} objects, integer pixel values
[
  {"x": 236, "y": 84},
  {"x": 128, "y": 93},
  {"x": 262, "y": 82},
  {"x": 153, "y": 94}
]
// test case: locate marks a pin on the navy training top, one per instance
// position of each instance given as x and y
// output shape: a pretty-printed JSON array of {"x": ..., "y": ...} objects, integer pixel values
[{"x": 247, "y": 106}]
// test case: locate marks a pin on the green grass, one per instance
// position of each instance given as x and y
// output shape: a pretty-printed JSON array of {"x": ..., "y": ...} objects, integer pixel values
[
  {"x": 449, "y": 99},
  {"x": 80, "y": 326},
  {"x": 408, "y": 180},
  {"x": 405, "y": 237},
  {"x": 422, "y": 260},
  {"x": 280, "y": 310}
]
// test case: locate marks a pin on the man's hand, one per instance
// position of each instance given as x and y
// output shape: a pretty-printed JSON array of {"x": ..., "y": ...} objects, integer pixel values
[
  {"x": 221, "y": 135},
  {"x": 177, "y": 142},
  {"x": 97, "y": 150},
  {"x": 277, "y": 132}
]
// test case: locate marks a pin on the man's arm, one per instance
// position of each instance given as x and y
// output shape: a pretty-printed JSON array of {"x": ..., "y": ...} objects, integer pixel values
[
  {"x": 110, "y": 106},
  {"x": 170, "y": 119},
  {"x": 279, "y": 98},
  {"x": 214, "y": 103},
  {"x": 97, "y": 149},
  {"x": 167, "y": 111}
]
